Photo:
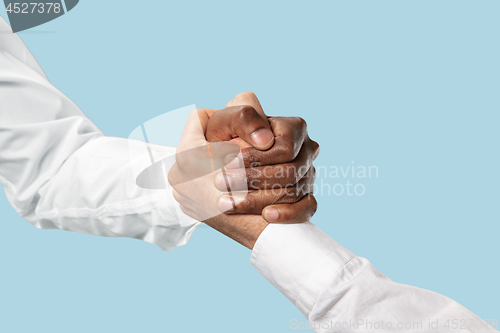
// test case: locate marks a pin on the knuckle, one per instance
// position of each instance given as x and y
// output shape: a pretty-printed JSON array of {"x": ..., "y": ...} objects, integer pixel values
[
  {"x": 302, "y": 171},
  {"x": 312, "y": 177},
  {"x": 251, "y": 158},
  {"x": 286, "y": 150},
  {"x": 292, "y": 174},
  {"x": 313, "y": 204},
  {"x": 290, "y": 195},
  {"x": 182, "y": 159},
  {"x": 299, "y": 123},
  {"x": 246, "y": 112},
  {"x": 302, "y": 123},
  {"x": 253, "y": 176},
  {"x": 196, "y": 112},
  {"x": 246, "y": 95},
  {"x": 302, "y": 190},
  {"x": 315, "y": 148}
]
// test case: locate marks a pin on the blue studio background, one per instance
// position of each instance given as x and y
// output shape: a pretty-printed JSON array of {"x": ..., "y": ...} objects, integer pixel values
[{"x": 410, "y": 87}]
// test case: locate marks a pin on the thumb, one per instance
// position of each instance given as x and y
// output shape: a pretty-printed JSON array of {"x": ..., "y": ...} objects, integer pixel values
[
  {"x": 244, "y": 118},
  {"x": 196, "y": 156},
  {"x": 194, "y": 131},
  {"x": 247, "y": 98}
]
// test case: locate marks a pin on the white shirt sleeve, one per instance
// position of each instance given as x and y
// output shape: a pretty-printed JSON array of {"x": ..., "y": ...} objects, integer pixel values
[
  {"x": 60, "y": 172},
  {"x": 339, "y": 292}
]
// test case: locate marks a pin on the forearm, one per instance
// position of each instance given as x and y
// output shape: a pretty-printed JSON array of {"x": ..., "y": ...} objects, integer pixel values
[
  {"x": 95, "y": 192},
  {"x": 60, "y": 171}
]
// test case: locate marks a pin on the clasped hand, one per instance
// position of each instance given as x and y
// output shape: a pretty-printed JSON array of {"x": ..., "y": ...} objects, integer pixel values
[{"x": 238, "y": 170}]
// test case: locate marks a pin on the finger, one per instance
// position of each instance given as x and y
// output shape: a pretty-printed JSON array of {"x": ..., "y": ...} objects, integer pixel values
[
  {"x": 299, "y": 212},
  {"x": 290, "y": 134},
  {"x": 195, "y": 157},
  {"x": 199, "y": 161},
  {"x": 255, "y": 201},
  {"x": 247, "y": 98},
  {"x": 269, "y": 176},
  {"x": 240, "y": 121}
]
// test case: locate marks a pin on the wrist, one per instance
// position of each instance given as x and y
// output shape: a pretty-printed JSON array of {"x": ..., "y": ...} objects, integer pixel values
[{"x": 244, "y": 229}]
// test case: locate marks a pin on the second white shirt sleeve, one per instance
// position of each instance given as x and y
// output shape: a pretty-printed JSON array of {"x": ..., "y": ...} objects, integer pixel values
[{"x": 339, "y": 292}]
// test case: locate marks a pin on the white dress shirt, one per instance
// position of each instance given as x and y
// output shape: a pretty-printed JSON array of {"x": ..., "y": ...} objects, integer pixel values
[
  {"x": 60, "y": 171},
  {"x": 339, "y": 292}
]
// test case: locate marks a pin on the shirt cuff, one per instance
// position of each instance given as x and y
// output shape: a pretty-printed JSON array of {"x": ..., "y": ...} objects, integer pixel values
[{"x": 299, "y": 260}]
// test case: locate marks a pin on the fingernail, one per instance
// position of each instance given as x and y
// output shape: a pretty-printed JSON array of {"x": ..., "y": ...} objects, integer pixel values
[
  {"x": 271, "y": 214},
  {"x": 262, "y": 137},
  {"x": 225, "y": 204},
  {"x": 220, "y": 182},
  {"x": 232, "y": 161}
]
